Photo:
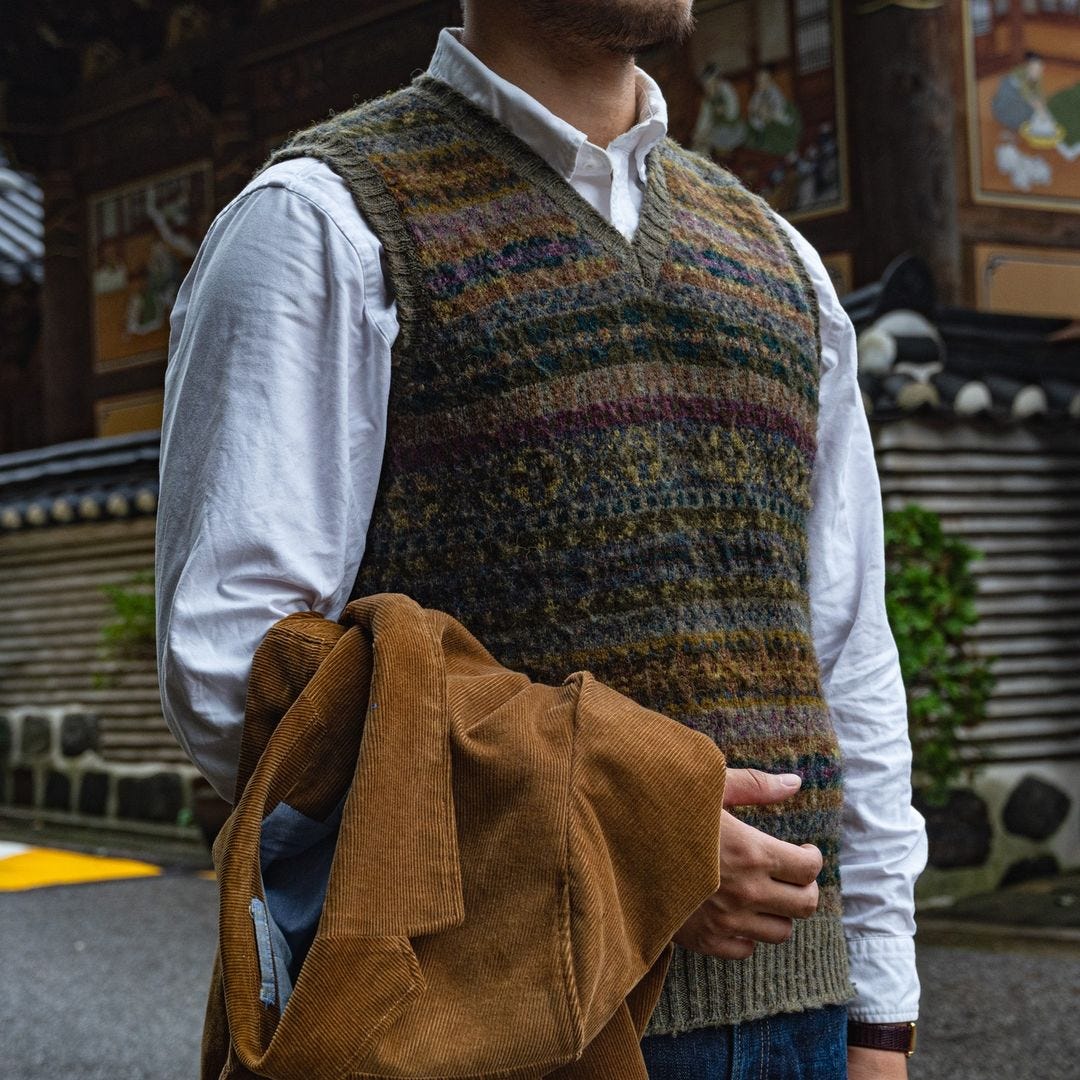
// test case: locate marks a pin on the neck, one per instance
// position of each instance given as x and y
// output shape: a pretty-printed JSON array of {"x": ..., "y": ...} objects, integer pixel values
[{"x": 591, "y": 88}]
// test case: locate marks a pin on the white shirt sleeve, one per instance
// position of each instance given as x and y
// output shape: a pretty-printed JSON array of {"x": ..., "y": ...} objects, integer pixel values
[
  {"x": 271, "y": 443},
  {"x": 883, "y": 840}
]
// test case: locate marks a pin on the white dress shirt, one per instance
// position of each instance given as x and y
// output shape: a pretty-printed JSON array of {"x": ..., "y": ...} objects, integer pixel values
[{"x": 271, "y": 446}]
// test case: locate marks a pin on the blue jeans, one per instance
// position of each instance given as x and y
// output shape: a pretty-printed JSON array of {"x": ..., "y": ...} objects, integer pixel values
[{"x": 809, "y": 1045}]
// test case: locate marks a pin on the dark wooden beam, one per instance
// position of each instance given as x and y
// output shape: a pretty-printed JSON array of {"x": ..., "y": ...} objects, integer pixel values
[
  {"x": 65, "y": 340},
  {"x": 902, "y": 75}
]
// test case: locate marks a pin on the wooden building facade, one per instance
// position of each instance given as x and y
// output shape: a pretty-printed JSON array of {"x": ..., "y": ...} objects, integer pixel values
[
  {"x": 877, "y": 129},
  {"x": 951, "y": 133}
]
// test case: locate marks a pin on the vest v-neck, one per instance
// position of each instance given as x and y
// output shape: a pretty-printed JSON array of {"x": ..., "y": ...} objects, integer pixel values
[{"x": 640, "y": 257}]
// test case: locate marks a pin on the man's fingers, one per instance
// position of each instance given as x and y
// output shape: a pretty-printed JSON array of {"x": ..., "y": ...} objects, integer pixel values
[
  {"x": 795, "y": 865},
  {"x": 731, "y": 948},
  {"x": 797, "y": 902},
  {"x": 817, "y": 860},
  {"x": 752, "y": 787},
  {"x": 762, "y": 927},
  {"x": 721, "y": 943},
  {"x": 787, "y": 901},
  {"x": 734, "y": 937}
]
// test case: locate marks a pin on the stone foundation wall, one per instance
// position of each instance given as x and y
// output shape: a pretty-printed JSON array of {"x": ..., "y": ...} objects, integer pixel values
[
  {"x": 1013, "y": 823},
  {"x": 49, "y": 763}
]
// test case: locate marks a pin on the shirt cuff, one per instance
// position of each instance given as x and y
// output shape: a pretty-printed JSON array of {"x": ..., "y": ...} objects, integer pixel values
[{"x": 886, "y": 980}]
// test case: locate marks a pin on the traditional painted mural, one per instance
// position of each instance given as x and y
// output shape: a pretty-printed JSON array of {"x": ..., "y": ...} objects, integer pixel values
[
  {"x": 840, "y": 266},
  {"x": 1023, "y": 76},
  {"x": 758, "y": 88},
  {"x": 143, "y": 238}
]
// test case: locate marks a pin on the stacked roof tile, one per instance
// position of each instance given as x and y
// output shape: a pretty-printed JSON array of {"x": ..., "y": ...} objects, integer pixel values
[
  {"x": 88, "y": 480},
  {"x": 916, "y": 355}
]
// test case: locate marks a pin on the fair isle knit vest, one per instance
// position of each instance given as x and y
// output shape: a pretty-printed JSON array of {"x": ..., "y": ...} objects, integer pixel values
[{"x": 598, "y": 457}]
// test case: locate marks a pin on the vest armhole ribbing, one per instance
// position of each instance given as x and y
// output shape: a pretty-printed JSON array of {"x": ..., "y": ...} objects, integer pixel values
[
  {"x": 377, "y": 206},
  {"x": 800, "y": 269}
]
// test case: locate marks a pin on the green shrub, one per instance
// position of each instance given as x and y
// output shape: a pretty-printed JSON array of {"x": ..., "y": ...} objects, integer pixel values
[
  {"x": 930, "y": 598},
  {"x": 130, "y": 632}
]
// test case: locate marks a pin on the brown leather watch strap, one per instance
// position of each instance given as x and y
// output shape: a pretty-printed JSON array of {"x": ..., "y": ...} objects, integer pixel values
[{"x": 899, "y": 1037}]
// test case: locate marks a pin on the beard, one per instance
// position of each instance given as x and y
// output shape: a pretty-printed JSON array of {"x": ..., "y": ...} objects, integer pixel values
[{"x": 620, "y": 26}]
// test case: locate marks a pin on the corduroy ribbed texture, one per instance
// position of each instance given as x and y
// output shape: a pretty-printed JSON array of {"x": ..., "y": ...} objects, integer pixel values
[
  {"x": 511, "y": 862},
  {"x": 598, "y": 457}
]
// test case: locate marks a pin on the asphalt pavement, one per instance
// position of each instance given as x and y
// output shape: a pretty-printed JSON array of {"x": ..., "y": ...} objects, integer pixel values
[
  {"x": 990, "y": 1012},
  {"x": 107, "y": 981}
]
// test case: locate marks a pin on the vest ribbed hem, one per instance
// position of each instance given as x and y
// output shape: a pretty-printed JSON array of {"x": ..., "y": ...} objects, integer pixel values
[{"x": 806, "y": 972}]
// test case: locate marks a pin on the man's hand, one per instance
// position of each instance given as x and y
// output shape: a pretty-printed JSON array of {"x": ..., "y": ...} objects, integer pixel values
[
  {"x": 765, "y": 883},
  {"x": 866, "y": 1064}
]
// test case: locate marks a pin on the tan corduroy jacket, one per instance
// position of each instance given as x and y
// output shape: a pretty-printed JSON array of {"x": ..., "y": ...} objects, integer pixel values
[{"x": 504, "y": 862}]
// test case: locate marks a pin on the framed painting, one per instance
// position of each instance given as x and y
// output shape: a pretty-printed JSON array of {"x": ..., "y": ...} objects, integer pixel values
[
  {"x": 1022, "y": 69},
  {"x": 143, "y": 239},
  {"x": 841, "y": 269},
  {"x": 758, "y": 88},
  {"x": 1027, "y": 280},
  {"x": 124, "y": 413}
]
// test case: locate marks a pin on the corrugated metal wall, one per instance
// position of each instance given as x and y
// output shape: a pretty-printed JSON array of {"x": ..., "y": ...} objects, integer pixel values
[
  {"x": 51, "y": 613},
  {"x": 1013, "y": 493}
]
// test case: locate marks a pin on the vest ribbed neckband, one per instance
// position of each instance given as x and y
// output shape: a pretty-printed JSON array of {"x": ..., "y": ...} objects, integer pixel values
[{"x": 641, "y": 256}]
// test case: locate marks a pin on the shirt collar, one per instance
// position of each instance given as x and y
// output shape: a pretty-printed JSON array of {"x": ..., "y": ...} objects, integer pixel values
[{"x": 557, "y": 142}]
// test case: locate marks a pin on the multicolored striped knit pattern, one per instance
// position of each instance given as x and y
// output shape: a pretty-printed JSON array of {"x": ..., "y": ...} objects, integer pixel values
[{"x": 598, "y": 457}]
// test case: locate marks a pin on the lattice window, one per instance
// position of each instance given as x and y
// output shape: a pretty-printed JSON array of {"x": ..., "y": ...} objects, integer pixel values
[{"x": 813, "y": 35}]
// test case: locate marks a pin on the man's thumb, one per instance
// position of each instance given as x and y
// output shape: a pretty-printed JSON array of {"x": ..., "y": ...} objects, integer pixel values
[{"x": 747, "y": 787}]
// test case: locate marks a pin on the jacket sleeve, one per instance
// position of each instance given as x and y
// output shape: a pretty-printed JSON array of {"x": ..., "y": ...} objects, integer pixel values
[{"x": 644, "y": 853}]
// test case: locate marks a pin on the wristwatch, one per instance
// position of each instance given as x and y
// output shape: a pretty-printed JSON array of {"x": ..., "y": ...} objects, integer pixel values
[{"x": 899, "y": 1037}]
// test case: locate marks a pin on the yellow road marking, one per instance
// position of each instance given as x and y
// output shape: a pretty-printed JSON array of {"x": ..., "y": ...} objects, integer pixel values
[{"x": 36, "y": 868}]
